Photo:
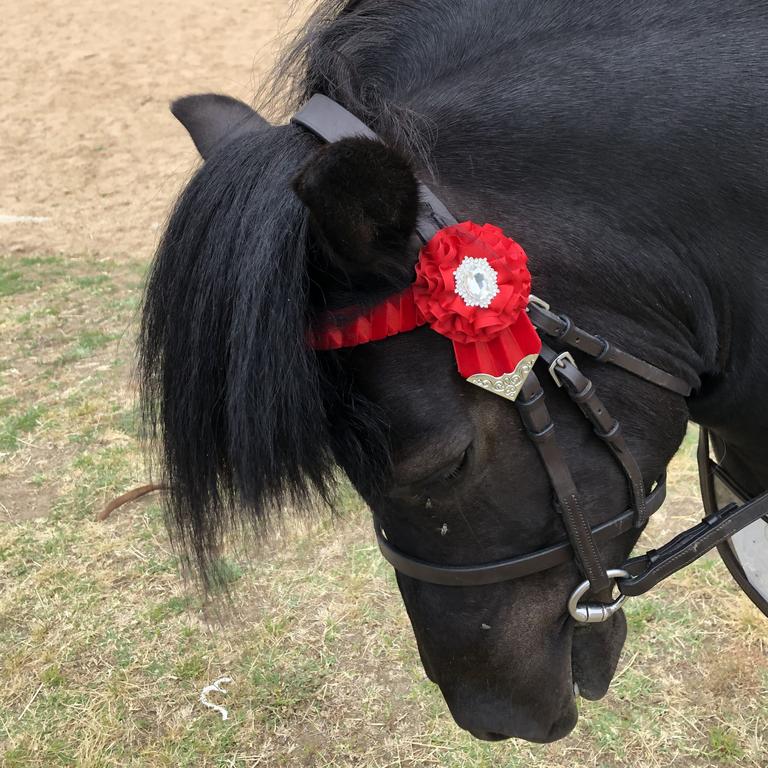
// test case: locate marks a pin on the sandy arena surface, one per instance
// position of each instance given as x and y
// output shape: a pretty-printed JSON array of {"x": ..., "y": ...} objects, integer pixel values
[
  {"x": 91, "y": 160},
  {"x": 86, "y": 139}
]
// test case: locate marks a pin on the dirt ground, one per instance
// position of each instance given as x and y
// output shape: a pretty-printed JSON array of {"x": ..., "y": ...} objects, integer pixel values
[
  {"x": 86, "y": 139},
  {"x": 91, "y": 158},
  {"x": 103, "y": 651}
]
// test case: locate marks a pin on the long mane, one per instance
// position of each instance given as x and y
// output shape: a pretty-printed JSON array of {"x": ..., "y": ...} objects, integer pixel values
[
  {"x": 242, "y": 418},
  {"x": 232, "y": 395}
]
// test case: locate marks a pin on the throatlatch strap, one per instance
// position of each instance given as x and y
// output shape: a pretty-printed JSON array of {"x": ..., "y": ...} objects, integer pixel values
[
  {"x": 562, "y": 329},
  {"x": 538, "y": 423}
]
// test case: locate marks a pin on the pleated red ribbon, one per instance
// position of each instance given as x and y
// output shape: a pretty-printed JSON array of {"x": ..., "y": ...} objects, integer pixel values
[{"x": 472, "y": 285}]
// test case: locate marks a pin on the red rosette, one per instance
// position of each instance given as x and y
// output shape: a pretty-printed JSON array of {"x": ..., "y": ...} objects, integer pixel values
[
  {"x": 489, "y": 327},
  {"x": 435, "y": 287},
  {"x": 472, "y": 286}
]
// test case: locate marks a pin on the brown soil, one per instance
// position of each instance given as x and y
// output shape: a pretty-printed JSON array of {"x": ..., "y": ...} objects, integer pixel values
[
  {"x": 86, "y": 138},
  {"x": 89, "y": 147}
]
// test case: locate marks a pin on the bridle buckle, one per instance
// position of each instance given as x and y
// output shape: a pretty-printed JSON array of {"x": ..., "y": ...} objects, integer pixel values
[
  {"x": 595, "y": 613},
  {"x": 536, "y": 301},
  {"x": 559, "y": 362}
]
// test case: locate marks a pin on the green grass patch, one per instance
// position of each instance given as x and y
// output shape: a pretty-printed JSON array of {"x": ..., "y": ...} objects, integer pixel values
[
  {"x": 225, "y": 572},
  {"x": 287, "y": 685},
  {"x": 174, "y": 606},
  {"x": 43, "y": 261},
  {"x": 190, "y": 667},
  {"x": 52, "y": 677},
  {"x": 13, "y": 427},
  {"x": 91, "y": 281},
  {"x": 100, "y": 472},
  {"x": 13, "y": 281},
  {"x": 724, "y": 745},
  {"x": 127, "y": 420},
  {"x": 6, "y": 403},
  {"x": 86, "y": 344}
]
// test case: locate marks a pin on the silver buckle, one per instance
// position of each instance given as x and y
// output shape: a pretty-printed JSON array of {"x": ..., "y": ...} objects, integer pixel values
[
  {"x": 538, "y": 302},
  {"x": 594, "y": 613},
  {"x": 558, "y": 363}
]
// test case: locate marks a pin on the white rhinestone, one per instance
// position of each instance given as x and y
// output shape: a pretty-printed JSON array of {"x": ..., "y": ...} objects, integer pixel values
[{"x": 476, "y": 282}]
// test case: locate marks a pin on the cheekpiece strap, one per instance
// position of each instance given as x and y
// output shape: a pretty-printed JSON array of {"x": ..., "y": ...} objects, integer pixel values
[
  {"x": 582, "y": 391},
  {"x": 538, "y": 424}
]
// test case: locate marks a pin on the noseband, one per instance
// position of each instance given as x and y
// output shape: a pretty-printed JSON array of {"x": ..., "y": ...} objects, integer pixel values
[{"x": 559, "y": 334}]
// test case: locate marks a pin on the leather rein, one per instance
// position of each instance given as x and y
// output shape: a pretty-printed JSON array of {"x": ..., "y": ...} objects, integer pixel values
[{"x": 330, "y": 122}]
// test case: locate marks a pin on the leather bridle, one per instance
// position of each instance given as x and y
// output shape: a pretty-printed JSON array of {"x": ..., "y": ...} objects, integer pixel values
[{"x": 331, "y": 122}]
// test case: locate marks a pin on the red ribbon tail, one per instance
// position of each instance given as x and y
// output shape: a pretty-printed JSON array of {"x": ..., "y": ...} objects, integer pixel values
[{"x": 501, "y": 364}]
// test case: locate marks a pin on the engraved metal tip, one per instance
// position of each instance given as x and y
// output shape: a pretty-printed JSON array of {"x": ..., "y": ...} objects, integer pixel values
[{"x": 507, "y": 385}]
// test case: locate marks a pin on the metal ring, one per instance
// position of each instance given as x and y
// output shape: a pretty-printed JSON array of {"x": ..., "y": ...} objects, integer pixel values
[{"x": 594, "y": 613}]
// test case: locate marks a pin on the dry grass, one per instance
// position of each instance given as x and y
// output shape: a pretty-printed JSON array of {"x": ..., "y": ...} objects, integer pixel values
[{"x": 104, "y": 652}]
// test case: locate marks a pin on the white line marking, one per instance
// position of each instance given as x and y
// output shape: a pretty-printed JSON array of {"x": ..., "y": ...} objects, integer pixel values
[{"x": 8, "y": 219}]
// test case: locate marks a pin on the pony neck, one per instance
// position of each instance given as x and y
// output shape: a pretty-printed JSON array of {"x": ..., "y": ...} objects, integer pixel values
[
  {"x": 704, "y": 322},
  {"x": 733, "y": 401}
]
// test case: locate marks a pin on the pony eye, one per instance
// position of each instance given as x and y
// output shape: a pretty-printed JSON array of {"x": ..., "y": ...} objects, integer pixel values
[
  {"x": 456, "y": 471},
  {"x": 446, "y": 473}
]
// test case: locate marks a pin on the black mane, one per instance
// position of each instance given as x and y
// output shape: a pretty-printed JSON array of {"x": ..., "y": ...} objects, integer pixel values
[{"x": 227, "y": 380}]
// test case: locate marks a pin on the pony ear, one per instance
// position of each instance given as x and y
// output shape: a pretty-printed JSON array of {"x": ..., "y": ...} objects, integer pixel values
[
  {"x": 213, "y": 119},
  {"x": 363, "y": 199}
]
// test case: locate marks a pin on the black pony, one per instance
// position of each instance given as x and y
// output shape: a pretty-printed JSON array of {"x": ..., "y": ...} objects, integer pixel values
[{"x": 624, "y": 145}]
